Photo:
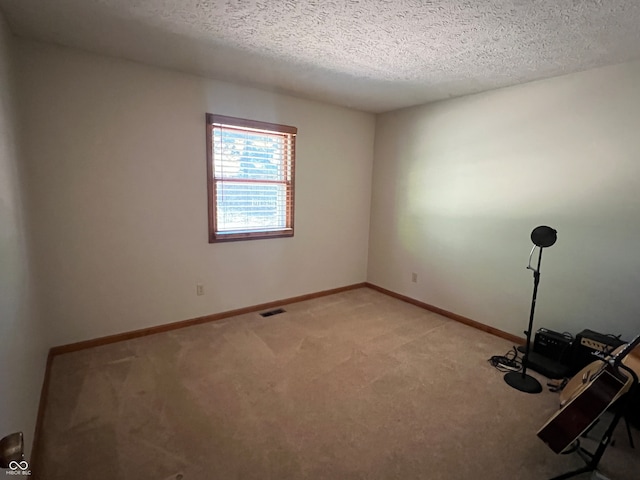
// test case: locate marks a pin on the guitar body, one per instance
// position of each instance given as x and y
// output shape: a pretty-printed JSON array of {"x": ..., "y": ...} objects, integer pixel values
[
  {"x": 585, "y": 406},
  {"x": 581, "y": 379},
  {"x": 579, "y": 382}
]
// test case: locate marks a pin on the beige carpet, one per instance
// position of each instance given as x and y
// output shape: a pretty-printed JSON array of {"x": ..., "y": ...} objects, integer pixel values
[{"x": 356, "y": 385}]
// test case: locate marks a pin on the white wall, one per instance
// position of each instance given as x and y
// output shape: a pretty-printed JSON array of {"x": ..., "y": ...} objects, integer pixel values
[
  {"x": 117, "y": 172},
  {"x": 459, "y": 185},
  {"x": 23, "y": 350}
]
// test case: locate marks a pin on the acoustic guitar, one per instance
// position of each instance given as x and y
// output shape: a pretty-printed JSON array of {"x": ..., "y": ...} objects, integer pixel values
[
  {"x": 581, "y": 379},
  {"x": 592, "y": 392}
]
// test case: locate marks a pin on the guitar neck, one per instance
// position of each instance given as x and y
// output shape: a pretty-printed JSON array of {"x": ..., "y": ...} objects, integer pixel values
[{"x": 628, "y": 348}]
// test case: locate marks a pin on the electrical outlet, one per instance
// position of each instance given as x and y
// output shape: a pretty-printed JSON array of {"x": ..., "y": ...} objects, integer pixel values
[
  {"x": 199, "y": 289},
  {"x": 414, "y": 277}
]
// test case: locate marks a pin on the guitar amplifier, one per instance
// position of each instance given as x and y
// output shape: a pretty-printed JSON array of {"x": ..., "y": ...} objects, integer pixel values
[
  {"x": 550, "y": 354},
  {"x": 587, "y": 342},
  {"x": 553, "y": 345}
]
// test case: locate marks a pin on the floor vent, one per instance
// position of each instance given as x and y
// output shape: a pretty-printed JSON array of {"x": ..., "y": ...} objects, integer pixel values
[{"x": 273, "y": 312}]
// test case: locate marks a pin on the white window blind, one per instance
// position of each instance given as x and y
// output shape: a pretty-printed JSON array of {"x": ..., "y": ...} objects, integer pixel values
[{"x": 252, "y": 176}]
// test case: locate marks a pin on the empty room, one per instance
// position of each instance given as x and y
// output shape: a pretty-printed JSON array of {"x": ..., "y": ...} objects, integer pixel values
[{"x": 357, "y": 239}]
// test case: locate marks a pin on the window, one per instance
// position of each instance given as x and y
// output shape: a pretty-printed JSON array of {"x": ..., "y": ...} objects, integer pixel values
[{"x": 250, "y": 169}]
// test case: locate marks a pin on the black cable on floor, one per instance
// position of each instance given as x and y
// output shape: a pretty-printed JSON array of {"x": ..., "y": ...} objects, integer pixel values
[{"x": 509, "y": 362}]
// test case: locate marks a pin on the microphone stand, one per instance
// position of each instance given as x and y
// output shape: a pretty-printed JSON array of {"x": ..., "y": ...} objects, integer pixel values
[{"x": 520, "y": 380}]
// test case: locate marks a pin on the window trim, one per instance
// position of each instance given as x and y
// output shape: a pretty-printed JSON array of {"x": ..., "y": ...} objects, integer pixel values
[{"x": 243, "y": 123}]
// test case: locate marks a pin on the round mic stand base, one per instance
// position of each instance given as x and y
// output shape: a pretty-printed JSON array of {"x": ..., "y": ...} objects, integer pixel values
[{"x": 524, "y": 383}]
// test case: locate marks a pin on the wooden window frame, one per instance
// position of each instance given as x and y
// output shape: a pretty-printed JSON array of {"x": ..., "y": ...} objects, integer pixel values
[{"x": 216, "y": 236}]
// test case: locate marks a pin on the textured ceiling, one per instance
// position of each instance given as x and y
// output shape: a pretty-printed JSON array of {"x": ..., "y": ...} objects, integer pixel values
[{"x": 373, "y": 55}]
